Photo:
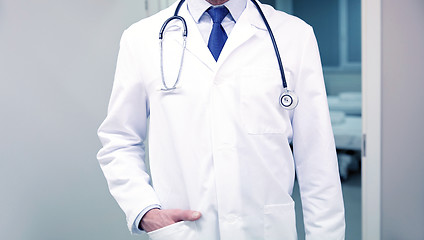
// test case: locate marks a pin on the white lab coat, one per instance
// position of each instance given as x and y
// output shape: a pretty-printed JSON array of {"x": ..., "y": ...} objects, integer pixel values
[{"x": 219, "y": 144}]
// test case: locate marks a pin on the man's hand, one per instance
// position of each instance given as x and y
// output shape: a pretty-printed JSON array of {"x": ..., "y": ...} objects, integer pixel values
[{"x": 156, "y": 218}]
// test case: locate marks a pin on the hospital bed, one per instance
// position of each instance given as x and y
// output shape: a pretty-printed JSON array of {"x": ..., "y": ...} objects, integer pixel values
[{"x": 345, "y": 113}]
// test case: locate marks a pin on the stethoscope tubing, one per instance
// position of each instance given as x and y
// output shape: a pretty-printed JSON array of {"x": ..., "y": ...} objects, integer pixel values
[
  {"x": 288, "y": 99},
  {"x": 161, "y": 35},
  {"x": 274, "y": 43}
]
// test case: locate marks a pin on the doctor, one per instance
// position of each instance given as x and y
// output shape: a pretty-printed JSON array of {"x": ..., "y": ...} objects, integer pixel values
[{"x": 219, "y": 144}]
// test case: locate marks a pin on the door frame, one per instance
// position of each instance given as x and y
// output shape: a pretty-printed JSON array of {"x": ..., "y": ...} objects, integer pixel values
[{"x": 371, "y": 119}]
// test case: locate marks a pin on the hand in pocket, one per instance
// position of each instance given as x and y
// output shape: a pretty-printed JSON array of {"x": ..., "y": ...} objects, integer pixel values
[{"x": 156, "y": 218}]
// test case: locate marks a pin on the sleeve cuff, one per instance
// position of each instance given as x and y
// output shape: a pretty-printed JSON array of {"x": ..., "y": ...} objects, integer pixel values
[{"x": 135, "y": 229}]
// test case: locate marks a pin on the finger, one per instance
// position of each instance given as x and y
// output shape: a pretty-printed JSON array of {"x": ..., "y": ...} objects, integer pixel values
[{"x": 184, "y": 215}]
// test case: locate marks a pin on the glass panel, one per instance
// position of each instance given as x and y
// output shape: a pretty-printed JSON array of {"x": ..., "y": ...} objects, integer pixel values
[
  {"x": 354, "y": 31},
  {"x": 323, "y": 16},
  {"x": 270, "y": 2}
]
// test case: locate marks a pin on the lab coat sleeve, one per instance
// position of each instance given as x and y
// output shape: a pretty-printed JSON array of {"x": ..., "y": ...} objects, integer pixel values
[
  {"x": 314, "y": 151},
  {"x": 122, "y": 134}
]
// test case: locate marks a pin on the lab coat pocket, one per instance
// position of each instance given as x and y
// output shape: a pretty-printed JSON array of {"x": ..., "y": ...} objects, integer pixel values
[
  {"x": 261, "y": 112},
  {"x": 280, "y": 222},
  {"x": 184, "y": 230}
]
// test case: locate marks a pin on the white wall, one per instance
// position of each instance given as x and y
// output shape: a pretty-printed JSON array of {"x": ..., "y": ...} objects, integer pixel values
[
  {"x": 402, "y": 165},
  {"x": 57, "y": 61}
]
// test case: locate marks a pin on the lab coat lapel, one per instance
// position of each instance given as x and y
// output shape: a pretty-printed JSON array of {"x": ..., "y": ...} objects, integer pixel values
[
  {"x": 196, "y": 45},
  {"x": 246, "y": 27}
]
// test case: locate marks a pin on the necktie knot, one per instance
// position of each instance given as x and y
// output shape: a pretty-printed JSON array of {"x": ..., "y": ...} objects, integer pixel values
[{"x": 218, "y": 13}]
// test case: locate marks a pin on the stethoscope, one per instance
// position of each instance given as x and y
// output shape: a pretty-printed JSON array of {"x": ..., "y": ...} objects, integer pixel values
[{"x": 288, "y": 99}]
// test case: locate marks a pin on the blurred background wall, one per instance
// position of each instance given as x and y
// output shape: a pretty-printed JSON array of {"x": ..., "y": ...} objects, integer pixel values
[
  {"x": 402, "y": 165},
  {"x": 57, "y": 62}
]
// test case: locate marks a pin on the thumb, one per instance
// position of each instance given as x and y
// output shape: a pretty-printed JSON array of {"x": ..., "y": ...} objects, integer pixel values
[{"x": 185, "y": 215}]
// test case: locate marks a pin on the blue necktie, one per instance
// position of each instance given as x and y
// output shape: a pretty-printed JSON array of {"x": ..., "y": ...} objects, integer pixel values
[{"x": 218, "y": 36}]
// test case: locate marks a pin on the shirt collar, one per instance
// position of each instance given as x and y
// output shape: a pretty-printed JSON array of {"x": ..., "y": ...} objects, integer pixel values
[{"x": 198, "y": 7}]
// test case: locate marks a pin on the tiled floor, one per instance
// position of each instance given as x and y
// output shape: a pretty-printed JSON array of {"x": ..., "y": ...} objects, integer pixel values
[{"x": 352, "y": 200}]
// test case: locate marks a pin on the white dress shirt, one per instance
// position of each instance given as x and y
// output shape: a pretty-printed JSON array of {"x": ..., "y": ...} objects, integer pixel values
[{"x": 204, "y": 22}]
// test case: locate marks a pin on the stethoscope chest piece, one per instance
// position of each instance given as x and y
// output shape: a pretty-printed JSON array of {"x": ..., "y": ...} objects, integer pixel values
[{"x": 288, "y": 100}]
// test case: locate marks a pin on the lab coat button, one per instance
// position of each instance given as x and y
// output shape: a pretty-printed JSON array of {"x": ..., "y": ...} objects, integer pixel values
[{"x": 231, "y": 218}]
